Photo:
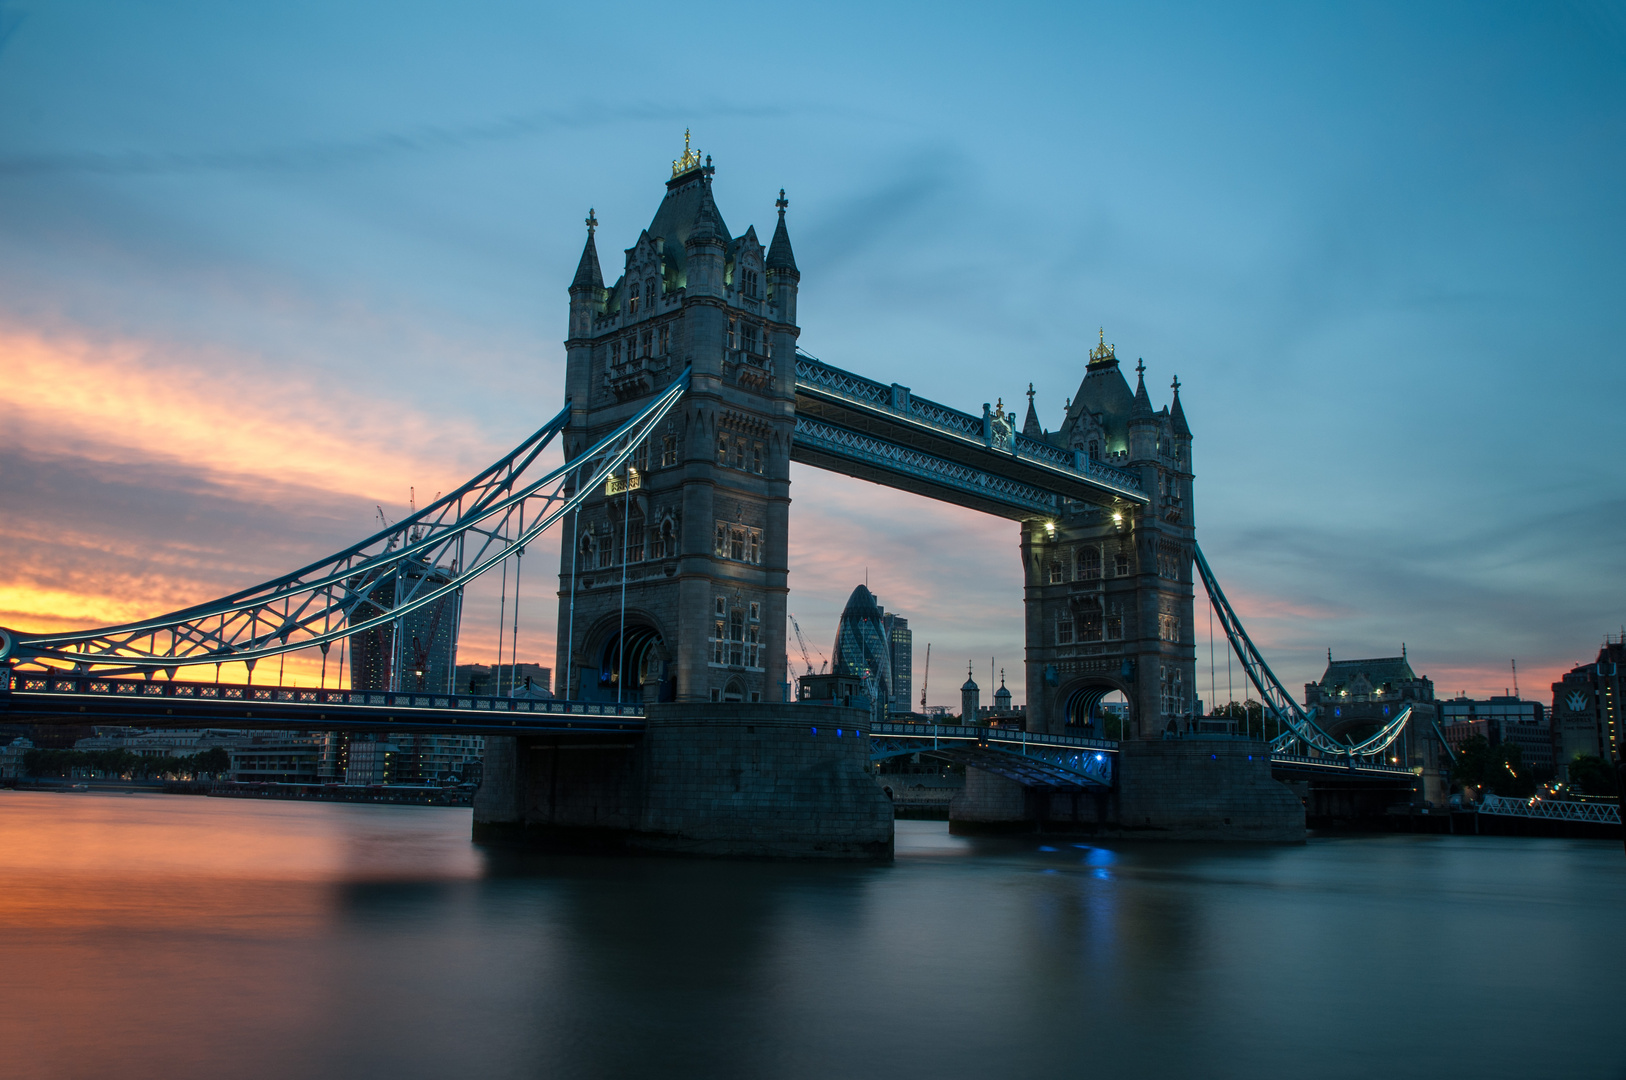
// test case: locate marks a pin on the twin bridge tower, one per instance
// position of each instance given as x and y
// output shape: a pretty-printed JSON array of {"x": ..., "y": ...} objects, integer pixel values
[{"x": 674, "y": 575}]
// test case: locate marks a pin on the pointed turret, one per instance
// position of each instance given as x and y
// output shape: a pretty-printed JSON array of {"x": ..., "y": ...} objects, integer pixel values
[
  {"x": 707, "y": 221},
  {"x": 588, "y": 275},
  {"x": 1031, "y": 426},
  {"x": 1177, "y": 415},
  {"x": 780, "y": 257},
  {"x": 1143, "y": 402},
  {"x": 783, "y": 277}
]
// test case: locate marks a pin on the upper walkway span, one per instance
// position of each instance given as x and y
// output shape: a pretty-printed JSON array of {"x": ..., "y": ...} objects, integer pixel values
[{"x": 883, "y": 433}]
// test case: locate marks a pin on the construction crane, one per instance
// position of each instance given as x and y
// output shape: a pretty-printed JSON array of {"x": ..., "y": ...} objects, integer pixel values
[
  {"x": 802, "y": 643},
  {"x": 925, "y": 677}
]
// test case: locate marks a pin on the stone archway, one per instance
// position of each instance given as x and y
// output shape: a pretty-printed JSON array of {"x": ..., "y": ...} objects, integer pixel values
[
  {"x": 627, "y": 663},
  {"x": 1080, "y": 704}
]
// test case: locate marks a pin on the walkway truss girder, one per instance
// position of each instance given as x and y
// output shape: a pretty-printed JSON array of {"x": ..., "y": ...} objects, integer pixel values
[
  {"x": 1033, "y": 759},
  {"x": 427, "y": 557}
]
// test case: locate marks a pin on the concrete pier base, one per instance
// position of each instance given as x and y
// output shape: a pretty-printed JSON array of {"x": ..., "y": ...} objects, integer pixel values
[
  {"x": 1205, "y": 789},
  {"x": 1197, "y": 788},
  {"x": 740, "y": 780}
]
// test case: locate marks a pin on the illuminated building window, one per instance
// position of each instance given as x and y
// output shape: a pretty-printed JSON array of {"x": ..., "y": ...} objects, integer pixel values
[
  {"x": 668, "y": 450},
  {"x": 733, "y": 333},
  {"x": 632, "y": 300},
  {"x": 756, "y": 457},
  {"x": 722, "y": 449},
  {"x": 1056, "y": 575}
]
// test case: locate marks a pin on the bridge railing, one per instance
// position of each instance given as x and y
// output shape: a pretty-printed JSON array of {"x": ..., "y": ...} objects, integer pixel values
[
  {"x": 981, "y": 733},
  {"x": 1600, "y": 813},
  {"x": 77, "y": 684}
]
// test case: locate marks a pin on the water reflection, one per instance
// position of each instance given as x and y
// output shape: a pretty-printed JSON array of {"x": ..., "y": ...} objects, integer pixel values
[{"x": 172, "y": 936}]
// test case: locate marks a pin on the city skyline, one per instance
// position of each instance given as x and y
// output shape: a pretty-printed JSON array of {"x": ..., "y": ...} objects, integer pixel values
[{"x": 240, "y": 320}]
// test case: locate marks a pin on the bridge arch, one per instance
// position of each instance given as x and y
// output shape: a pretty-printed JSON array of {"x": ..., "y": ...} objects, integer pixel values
[
  {"x": 627, "y": 658},
  {"x": 1081, "y": 701}
]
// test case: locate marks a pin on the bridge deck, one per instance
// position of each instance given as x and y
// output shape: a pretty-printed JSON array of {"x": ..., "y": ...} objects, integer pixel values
[{"x": 161, "y": 703}]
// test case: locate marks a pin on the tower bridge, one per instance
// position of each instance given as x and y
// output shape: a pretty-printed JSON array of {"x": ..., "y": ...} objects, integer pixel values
[{"x": 686, "y": 400}]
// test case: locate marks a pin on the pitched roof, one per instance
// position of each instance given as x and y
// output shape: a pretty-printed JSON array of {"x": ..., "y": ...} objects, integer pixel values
[
  {"x": 1377, "y": 671},
  {"x": 1143, "y": 403}
]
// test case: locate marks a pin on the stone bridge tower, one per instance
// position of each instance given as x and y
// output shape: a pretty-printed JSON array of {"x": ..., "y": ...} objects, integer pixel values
[
  {"x": 697, "y": 531},
  {"x": 1109, "y": 593}
]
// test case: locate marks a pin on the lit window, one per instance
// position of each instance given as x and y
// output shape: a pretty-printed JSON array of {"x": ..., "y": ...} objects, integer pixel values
[
  {"x": 632, "y": 300},
  {"x": 722, "y": 449},
  {"x": 1056, "y": 576},
  {"x": 733, "y": 333},
  {"x": 756, "y": 457},
  {"x": 669, "y": 450},
  {"x": 756, "y": 611}
]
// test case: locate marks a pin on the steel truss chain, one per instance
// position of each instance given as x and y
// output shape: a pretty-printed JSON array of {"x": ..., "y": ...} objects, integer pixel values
[
  {"x": 426, "y": 557},
  {"x": 1299, "y": 726}
]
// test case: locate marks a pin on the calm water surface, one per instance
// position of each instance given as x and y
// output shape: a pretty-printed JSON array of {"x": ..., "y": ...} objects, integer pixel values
[{"x": 168, "y": 936}]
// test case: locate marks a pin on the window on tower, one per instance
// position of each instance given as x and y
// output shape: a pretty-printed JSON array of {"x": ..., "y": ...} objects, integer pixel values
[
  {"x": 1089, "y": 563},
  {"x": 1064, "y": 628},
  {"x": 633, "y": 296},
  {"x": 733, "y": 333},
  {"x": 668, "y": 451}
]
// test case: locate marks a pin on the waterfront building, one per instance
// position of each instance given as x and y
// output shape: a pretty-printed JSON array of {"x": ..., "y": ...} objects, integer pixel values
[
  {"x": 268, "y": 759},
  {"x": 1587, "y": 705},
  {"x": 1498, "y": 720},
  {"x": 11, "y": 757},
  {"x": 168, "y": 742},
  {"x": 370, "y": 761}
]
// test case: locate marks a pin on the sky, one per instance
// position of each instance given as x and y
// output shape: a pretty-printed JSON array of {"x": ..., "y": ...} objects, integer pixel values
[{"x": 268, "y": 270}]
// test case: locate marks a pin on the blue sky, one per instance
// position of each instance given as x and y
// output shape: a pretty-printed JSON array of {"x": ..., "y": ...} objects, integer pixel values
[{"x": 264, "y": 267}]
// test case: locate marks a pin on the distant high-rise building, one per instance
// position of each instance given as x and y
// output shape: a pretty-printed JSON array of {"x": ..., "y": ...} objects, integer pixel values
[
  {"x": 900, "y": 640},
  {"x": 862, "y": 650},
  {"x": 415, "y": 652}
]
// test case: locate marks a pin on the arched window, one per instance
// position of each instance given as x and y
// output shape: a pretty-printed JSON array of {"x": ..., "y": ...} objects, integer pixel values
[
  {"x": 650, "y": 290},
  {"x": 668, "y": 450},
  {"x": 632, "y": 299},
  {"x": 1095, "y": 450}
]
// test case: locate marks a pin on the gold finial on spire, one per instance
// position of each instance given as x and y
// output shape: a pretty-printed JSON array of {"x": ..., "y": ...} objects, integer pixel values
[
  {"x": 1103, "y": 351},
  {"x": 689, "y": 161}
]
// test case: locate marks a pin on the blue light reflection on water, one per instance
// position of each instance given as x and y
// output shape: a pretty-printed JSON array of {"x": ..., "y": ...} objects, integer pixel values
[{"x": 161, "y": 937}]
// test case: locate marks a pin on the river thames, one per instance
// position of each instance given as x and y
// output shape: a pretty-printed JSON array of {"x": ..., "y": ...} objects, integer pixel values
[{"x": 148, "y": 936}]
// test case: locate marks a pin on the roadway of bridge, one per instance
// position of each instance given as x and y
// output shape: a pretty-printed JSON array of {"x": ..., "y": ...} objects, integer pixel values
[{"x": 1033, "y": 758}]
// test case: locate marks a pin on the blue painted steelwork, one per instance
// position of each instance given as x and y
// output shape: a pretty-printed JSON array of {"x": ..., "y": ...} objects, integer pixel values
[
  {"x": 844, "y": 442},
  {"x": 899, "y": 405},
  {"x": 1029, "y": 758},
  {"x": 1300, "y": 727},
  {"x": 463, "y": 535}
]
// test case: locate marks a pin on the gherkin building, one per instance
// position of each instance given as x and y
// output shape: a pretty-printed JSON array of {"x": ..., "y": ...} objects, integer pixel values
[{"x": 862, "y": 649}]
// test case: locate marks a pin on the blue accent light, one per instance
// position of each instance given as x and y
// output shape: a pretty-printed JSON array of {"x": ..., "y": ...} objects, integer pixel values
[
  {"x": 838, "y": 733},
  {"x": 815, "y": 733},
  {"x": 1214, "y": 756}
]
